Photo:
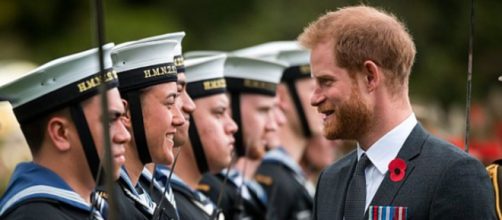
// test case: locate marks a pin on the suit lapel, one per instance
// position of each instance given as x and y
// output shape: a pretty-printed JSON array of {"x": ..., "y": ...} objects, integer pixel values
[
  {"x": 343, "y": 183},
  {"x": 411, "y": 148}
]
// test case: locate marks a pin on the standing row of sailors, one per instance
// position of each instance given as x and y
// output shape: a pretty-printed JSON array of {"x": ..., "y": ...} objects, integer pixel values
[{"x": 236, "y": 123}]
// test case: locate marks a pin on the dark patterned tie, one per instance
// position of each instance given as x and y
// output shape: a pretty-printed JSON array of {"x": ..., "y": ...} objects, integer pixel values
[{"x": 355, "y": 201}]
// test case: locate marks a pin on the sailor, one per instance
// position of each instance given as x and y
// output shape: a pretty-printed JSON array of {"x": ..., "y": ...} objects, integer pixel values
[
  {"x": 148, "y": 87},
  {"x": 280, "y": 173},
  {"x": 210, "y": 138},
  {"x": 252, "y": 86},
  {"x": 160, "y": 192},
  {"x": 59, "y": 110}
]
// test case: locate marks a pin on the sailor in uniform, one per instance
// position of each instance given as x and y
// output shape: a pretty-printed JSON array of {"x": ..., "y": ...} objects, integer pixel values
[
  {"x": 148, "y": 87},
  {"x": 58, "y": 108},
  {"x": 158, "y": 190},
  {"x": 280, "y": 173},
  {"x": 209, "y": 139},
  {"x": 252, "y": 85}
]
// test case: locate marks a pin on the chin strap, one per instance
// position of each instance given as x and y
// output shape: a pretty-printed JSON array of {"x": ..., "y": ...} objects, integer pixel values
[
  {"x": 299, "y": 108},
  {"x": 138, "y": 128},
  {"x": 240, "y": 149},
  {"x": 198, "y": 149},
  {"x": 84, "y": 133}
]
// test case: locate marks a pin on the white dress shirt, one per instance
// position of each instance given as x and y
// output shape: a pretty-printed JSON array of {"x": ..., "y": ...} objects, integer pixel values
[{"x": 382, "y": 152}]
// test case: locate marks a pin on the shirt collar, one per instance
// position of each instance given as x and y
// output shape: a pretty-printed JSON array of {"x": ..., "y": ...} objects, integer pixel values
[{"x": 387, "y": 147}]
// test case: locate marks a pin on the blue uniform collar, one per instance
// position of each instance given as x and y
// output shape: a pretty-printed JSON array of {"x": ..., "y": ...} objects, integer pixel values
[
  {"x": 162, "y": 174},
  {"x": 234, "y": 176},
  {"x": 146, "y": 176},
  {"x": 124, "y": 177},
  {"x": 140, "y": 197},
  {"x": 30, "y": 181},
  {"x": 279, "y": 155}
]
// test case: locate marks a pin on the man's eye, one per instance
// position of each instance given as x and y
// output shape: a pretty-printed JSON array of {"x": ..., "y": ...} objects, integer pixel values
[{"x": 113, "y": 117}]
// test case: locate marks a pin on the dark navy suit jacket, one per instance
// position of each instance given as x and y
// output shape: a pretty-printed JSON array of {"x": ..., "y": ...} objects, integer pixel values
[{"x": 441, "y": 182}]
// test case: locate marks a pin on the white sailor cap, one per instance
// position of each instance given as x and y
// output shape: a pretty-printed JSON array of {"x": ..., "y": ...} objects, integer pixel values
[
  {"x": 66, "y": 80},
  {"x": 293, "y": 54},
  {"x": 176, "y": 36},
  {"x": 144, "y": 64},
  {"x": 205, "y": 76},
  {"x": 250, "y": 75},
  {"x": 202, "y": 53}
]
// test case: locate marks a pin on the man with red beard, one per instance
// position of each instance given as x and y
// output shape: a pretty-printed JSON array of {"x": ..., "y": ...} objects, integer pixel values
[{"x": 361, "y": 59}]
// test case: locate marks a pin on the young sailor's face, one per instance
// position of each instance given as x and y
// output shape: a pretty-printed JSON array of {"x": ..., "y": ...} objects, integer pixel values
[
  {"x": 119, "y": 135},
  {"x": 258, "y": 120},
  {"x": 187, "y": 106},
  {"x": 216, "y": 129},
  {"x": 161, "y": 118}
]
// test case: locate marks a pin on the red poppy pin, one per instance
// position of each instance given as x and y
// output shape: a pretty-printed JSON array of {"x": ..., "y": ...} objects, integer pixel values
[{"x": 397, "y": 169}]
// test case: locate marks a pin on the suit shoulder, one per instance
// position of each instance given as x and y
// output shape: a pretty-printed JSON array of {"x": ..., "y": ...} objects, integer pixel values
[{"x": 444, "y": 151}]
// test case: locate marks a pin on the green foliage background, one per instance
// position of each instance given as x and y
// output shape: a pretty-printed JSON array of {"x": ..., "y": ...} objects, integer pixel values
[{"x": 43, "y": 30}]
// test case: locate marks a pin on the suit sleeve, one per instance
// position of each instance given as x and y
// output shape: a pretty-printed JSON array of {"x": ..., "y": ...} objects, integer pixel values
[{"x": 464, "y": 192}]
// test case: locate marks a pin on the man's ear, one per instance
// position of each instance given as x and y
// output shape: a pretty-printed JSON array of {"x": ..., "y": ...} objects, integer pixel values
[
  {"x": 373, "y": 75},
  {"x": 58, "y": 130},
  {"x": 126, "y": 118}
]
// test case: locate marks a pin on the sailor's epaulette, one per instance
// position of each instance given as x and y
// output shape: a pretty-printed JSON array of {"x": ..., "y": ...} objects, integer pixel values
[
  {"x": 103, "y": 195},
  {"x": 265, "y": 180},
  {"x": 203, "y": 187}
]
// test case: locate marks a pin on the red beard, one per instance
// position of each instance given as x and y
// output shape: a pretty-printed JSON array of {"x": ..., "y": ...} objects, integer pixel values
[{"x": 351, "y": 119}]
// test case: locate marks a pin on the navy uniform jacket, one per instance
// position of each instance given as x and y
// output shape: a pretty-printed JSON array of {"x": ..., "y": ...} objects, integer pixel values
[
  {"x": 139, "y": 200},
  {"x": 191, "y": 204},
  {"x": 35, "y": 192},
  {"x": 126, "y": 208},
  {"x": 440, "y": 182},
  {"x": 156, "y": 191},
  {"x": 34, "y": 209},
  {"x": 284, "y": 183},
  {"x": 233, "y": 205}
]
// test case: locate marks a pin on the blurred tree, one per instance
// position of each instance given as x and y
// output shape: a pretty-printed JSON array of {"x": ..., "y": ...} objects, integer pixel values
[{"x": 41, "y": 31}]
